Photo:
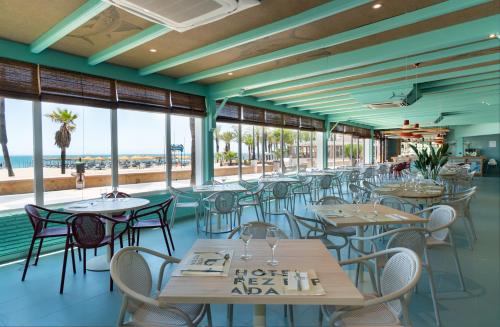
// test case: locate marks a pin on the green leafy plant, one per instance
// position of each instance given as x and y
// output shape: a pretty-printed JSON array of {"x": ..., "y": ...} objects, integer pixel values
[
  {"x": 229, "y": 156},
  {"x": 429, "y": 163}
]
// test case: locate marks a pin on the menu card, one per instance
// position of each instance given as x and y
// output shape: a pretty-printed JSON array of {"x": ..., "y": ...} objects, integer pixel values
[
  {"x": 275, "y": 282},
  {"x": 206, "y": 263}
]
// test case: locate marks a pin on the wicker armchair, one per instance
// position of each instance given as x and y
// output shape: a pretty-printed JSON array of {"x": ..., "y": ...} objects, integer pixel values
[{"x": 132, "y": 274}]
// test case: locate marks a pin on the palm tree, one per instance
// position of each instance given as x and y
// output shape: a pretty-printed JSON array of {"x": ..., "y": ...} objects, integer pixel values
[
  {"x": 193, "y": 151},
  {"x": 217, "y": 139},
  {"x": 63, "y": 136},
  {"x": 3, "y": 138},
  {"x": 248, "y": 141},
  {"x": 227, "y": 137}
]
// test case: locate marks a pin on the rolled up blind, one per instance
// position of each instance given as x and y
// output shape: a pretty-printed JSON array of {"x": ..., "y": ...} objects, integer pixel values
[
  {"x": 231, "y": 112},
  {"x": 187, "y": 104},
  {"x": 274, "y": 118},
  {"x": 18, "y": 80},
  {"x": 253, "y": 115},
  {"x": 136, "y": 96},
  {"x": 291, "y": 121}
]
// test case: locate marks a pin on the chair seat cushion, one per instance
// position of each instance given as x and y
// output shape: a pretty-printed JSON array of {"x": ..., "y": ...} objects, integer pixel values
[
  {"x": 340, "y": 231},
  {"x": 432, "y": 242},
  {"x": 152, "y": 316},
  {"x": 147, "y": 223},
  {"x": 374, "y": 315},
  {"x": 53, "y": 232}
]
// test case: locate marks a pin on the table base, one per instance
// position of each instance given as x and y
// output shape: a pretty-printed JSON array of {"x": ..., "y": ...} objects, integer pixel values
[
  {"x": 259, "y": 315},
  {"x": 99, "y": 263}
]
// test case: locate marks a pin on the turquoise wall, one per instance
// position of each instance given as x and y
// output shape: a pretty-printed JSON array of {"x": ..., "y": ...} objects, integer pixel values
[{"x": 456, "y": 135}]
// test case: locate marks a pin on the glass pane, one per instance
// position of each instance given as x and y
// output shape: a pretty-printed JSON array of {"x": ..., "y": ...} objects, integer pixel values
[
  {"x": 16, "y": 138},
  {"x": 183, "y": 137},
  {"x": 252, "y": 152},
  {"x": 290, "y": 139},
  {"x": 272, "y": 146},
  {"x": 226, "y": 152},
  {"x": 141, "y": 151},
  {"x": 317, "y": 149},
  {"x": 305, "y": 150},
  {"x": 347, "y": 151},
  {"x": 76, "y": 152}
]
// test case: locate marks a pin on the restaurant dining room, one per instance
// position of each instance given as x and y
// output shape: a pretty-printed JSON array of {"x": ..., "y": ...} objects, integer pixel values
[{"x": 279, "y": 163}]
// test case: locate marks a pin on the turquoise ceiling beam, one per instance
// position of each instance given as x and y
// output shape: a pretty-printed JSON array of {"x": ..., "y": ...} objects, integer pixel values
[
  {"x": 306, "y": 17},
  {"x": 129, "y": 43},
  {"x": 398, "y": 84},
  {"x": 336, "y": 100},
  {"x": 430, "y": 41},
  {"x": 461, "y": 86},
  {"x": 350, "y": 35},
  {"x": 78, "y": 17},
  {"x": 335, "y": 105},
  {"x": 461, "y": 80},
  {"x": 460, "y": 50},
  {"x": 409, "y": 73}
]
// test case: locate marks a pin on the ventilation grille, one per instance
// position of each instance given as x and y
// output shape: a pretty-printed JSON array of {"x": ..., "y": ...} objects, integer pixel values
[{"x": 388, "y": 105}]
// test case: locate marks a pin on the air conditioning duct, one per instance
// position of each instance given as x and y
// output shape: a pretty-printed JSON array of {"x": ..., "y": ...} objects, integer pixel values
[
  {"x": 182, "y": 15},
  {"x": 399, "y": 100}
]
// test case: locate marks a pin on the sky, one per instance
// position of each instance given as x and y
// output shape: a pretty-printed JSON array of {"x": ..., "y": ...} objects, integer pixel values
[{"x": 138, "y": 132}]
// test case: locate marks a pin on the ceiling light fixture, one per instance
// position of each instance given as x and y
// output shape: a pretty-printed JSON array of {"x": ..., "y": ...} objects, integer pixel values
[
  {"x": 377, "y": 6},
  {"x": 153, "y": 50},
  {"x": 492, "y": 36},
  {"x": 230, "y": 73}
]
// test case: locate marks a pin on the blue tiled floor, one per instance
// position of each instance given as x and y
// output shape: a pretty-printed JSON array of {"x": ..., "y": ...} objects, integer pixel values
[{"x": 87, "y": 301}]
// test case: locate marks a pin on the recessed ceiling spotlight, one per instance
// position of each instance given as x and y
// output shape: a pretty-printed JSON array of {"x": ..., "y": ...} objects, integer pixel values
[
  {"x": 230, "y": 73},
  {"x": 152, "y": 50},
  {"x": 492, "y": 35},
  {"x": 377, "y": 6}
]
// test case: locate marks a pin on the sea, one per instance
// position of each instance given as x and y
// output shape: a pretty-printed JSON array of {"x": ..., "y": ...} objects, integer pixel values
[{"x": 27, "y": 161}]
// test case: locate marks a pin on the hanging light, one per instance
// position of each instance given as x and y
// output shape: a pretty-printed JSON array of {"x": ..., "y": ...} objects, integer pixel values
[{"x": 406, "y": 123}]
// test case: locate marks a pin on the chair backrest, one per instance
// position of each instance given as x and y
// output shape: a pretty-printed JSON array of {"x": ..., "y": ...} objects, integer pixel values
[
  {"x": 259, "y": 230},
  {"x": 369, "y": 172},
  {"x": 401, "y": 273},
  {"x": 325, "y": 182},
  {"x": 368, "y": 185},
  {"x": 131, "y": 272},
  {"x": 411, "y": 238},
  {"x": 119, "y": 195},
  {"x": 280, "y": 190},
  {"x": 225, "y": 201},
  {"x": 358, "y": 191},
  {"x": 88, "y": 229},
  {"x": 294, "y": 226},
  {"x": 397, "y": 203},
  {"x": 34, "y": 217},
  {"x": 331, "y": 200},
  {"x": 440, "y": 219}
]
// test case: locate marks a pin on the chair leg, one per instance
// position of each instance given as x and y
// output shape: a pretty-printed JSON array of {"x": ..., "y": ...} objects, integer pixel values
[
  {"x": 459, "y": 268},
  {"x": 256, "y": 213},
  {"x": 65, "y": 259},
  {"x": 73, "y": 260},
  {"x": 121, "y": 241},
  {"x": 138, "y": 236},
  {"x": 291, "y": 322},
  {"x": 166, "y": 239},
  {"x": 209, "y": 316},
  {"x": 28, "y": 258},
  {"x": 38, "y": 251},
  {"x": 112, "y": 248},
  {"x": 433, "y": 293},
  {"x": 170, "y": 236},
  {"x": 230, "y": 309},
  {"x": 84, "y": 261}
]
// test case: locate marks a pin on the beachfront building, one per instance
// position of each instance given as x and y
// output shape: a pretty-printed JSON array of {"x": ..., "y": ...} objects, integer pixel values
[{"x": 283, "y": 103}]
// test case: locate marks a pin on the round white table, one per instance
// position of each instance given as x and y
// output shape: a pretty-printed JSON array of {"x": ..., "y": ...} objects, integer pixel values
[{"x": 105, "y": 207}]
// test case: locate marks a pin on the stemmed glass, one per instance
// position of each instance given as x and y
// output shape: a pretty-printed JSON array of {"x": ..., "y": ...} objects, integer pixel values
[
  {"x": 374, "y": 200},
  {"x": 246, "y": 236},
  {"x": 104, "y": 192},
  {"x": 115, "y": 192},
  {"x": 356, "y": 200},
  {"x": 272, "y": 238}
]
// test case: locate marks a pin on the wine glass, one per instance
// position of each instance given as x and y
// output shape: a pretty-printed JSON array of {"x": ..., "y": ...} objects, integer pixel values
[
  {"x": 223, "y": 179},
  {"x": 356, "y": 200},
  {"x": 104, "y": 192},
  {"x": 246, "y": 236},
  {"x": 272, "y": 238},
  {"x": 115, "y": 193},
  {"x": 374, "y": 200}
]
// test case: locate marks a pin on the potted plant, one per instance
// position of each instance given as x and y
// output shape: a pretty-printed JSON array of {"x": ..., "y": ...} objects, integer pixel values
[{"x": 429, "y": 163}]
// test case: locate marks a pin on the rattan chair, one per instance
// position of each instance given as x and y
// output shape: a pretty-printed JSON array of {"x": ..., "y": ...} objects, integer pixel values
[
  {"x": 121, "y": 216},
  {"x": 132, "y": 274},
  {"x": 399, "y": 277},
  {"x": 252, "y": 198},
  {"x": 152, "y": 216},
  {"x": 184, "y": 200},
  {"x": 44, "y": 227},
  {"x": 359, "y": 194},
  {"x": 279, "y": 194},
  {"x": 460, "y": 201},
  {"x": 221, "y": 204},
  {"x": 303, "y": 189},
  {"x": 413, "y": 238},
  {"x": 441, "y": 218},
  {"x": 331, "y": 200}
]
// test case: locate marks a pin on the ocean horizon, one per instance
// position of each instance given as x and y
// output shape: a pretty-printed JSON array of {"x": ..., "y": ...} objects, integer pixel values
[{"x": 26, "y": 161}]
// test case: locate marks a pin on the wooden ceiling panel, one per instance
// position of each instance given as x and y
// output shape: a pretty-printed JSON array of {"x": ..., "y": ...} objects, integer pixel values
[
  {"x": 488, "y": 9},
  {"x": 175, "y": 43},
  {"x": 336, "y": 24},
  {"x": 24, "y": 22},
  {"x": 105, "y": 29}
]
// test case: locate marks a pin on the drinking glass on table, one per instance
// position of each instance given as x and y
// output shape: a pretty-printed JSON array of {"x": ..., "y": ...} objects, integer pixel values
[
  {"x": 115, "y": 193},
  {"x": 104, "y": 192},
  {"x": 246, "y": 236},
  {"x": 272, "y": 238},
  {"x": 374, "y": 200}
]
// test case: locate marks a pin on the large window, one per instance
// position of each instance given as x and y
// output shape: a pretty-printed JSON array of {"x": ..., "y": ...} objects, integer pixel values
[
  {"x": 227, "y": 156},
  {"x": 251, "y": 137},
  {"x": 76, "y": 152},
  {"x": 16, "y": 158},
  {"x": 141, "y": 151},
  {"x": 272, "y": 149},
  {"x": 290, "y": 155},
  {"x": 183, "y": 138}
]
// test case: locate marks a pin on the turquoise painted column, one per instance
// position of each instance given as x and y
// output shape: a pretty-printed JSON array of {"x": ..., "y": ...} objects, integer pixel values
[
  {"x": 208, "y": 139},
  {"x": 372, "y": 140},
  {"x": 326, "y": 137}
]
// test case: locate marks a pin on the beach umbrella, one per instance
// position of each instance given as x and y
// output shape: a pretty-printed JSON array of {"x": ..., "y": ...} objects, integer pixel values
[
  {"x": 123, "y": 157},
  {"x": 88, "y": 158}
]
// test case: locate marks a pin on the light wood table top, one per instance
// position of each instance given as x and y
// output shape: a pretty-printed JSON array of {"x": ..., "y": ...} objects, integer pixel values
[
  {"x": 302, "y": 255},
  {"x": 285, "y": 179},
  {"x": 425, "y": 191},
  {"x": 344, "y": 215}
]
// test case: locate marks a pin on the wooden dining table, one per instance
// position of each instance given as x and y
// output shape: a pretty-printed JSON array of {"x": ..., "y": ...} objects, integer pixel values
[
  {"x": 300, "y": 255},
  {"x": 424, "y": 195}
]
